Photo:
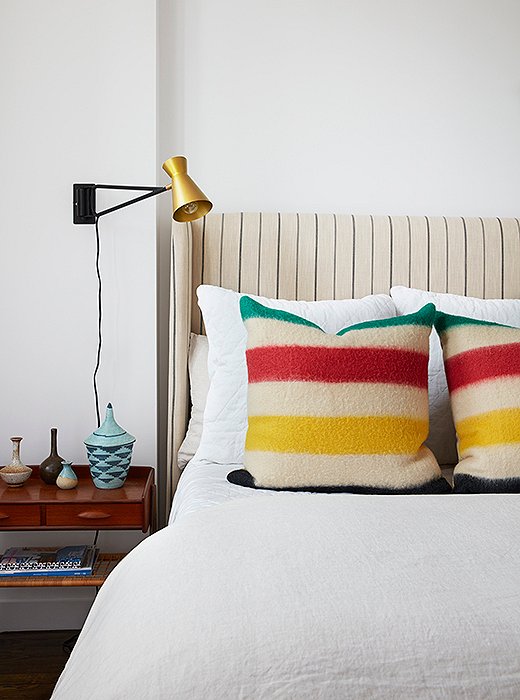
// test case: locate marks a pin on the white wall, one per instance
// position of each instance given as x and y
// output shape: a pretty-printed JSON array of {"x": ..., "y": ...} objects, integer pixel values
[
  {"x": 78, "y": 86},
  {"x": 373, "y": 106}
]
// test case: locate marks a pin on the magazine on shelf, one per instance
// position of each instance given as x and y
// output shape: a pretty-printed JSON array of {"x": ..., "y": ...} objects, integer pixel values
[{"x": 75, "y": 560}]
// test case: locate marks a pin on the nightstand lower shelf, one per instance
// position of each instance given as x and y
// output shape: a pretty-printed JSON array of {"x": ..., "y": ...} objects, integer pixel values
[{"x": 105, "y": 563}]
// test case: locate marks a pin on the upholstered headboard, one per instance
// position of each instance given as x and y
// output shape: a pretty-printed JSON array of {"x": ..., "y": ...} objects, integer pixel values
[{"x": 326, "y": 256}]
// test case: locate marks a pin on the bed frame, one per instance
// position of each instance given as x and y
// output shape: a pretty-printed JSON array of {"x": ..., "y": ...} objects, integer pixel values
[{"x": 326, "y": 256}]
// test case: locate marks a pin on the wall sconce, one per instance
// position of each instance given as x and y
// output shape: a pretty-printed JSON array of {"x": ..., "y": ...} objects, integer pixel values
[{"x": 189, "y": 202}]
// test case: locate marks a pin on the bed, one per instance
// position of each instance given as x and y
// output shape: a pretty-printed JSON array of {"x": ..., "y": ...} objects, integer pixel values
[{"x": 263, "y": 594}]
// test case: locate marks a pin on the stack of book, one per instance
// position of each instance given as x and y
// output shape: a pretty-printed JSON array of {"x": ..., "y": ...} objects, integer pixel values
[{"x": 77, "y": 560}]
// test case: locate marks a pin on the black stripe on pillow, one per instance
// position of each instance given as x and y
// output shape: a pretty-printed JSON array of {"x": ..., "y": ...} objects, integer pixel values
[
  {"x": 241, "y": 477},
  {"x": 465, "y": 483}
]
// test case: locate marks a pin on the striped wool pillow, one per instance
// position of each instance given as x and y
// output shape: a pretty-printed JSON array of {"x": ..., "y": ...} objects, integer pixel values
[
  {"x": 482, "y": 362},
  {"x": 346, "y": 412}
]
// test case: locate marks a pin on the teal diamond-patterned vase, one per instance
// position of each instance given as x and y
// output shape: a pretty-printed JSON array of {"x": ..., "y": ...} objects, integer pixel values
[{"x": 109, "y": 450}]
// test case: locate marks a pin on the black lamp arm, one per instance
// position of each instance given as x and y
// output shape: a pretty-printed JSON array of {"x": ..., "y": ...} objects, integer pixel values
[{"x": 84, "y": 200}]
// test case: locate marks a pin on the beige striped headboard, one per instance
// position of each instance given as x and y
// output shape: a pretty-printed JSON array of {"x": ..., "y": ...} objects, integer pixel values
[{"x": 327, "y": 256}]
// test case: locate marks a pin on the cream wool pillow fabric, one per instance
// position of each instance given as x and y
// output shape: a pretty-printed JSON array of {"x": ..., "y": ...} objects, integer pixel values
[
  {"x": 442, "y": 439},
  {"x": 482, "y": 363},
  {"x": 345, "y": 412},
  {"x": 225, "y": 415}
]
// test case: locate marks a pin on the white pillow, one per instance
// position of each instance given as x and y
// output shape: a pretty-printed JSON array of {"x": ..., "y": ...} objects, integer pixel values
[
  {"x": 199, "y": 385},
  {"x": 225, "y": 415},
  {"x": 442, "y": 439}
]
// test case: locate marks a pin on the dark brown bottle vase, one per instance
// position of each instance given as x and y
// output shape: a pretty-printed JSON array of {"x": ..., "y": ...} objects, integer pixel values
[{"x": 52, "y": 466}]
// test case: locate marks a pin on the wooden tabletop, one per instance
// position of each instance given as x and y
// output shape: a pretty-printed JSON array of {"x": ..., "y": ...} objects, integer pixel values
[{"x": 34, "y": 490}]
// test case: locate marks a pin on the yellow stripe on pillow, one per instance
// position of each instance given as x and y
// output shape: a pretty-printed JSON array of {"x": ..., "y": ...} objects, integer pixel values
[
  {"x": 368, "y": 435},
  {"x": 492, "y": 428}
]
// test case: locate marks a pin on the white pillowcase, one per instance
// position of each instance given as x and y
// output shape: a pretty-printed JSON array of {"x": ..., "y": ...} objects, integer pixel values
[
  {"x": 199, "y": 385},
  {"x": 442, "y": 439},
  {"x": 225, "y": 415}
]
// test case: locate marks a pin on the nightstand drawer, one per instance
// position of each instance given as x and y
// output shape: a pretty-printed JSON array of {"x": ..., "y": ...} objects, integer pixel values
[
  {"x": 19, "y": 516},
  {"x": 93, "y": 516}
]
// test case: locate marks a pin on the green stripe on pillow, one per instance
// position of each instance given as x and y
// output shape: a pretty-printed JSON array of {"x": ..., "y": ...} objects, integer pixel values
[
  {"x": 249, "y": 308},
  {"x": 423, "y": 317},
  {"x": 445, "y": 321}
]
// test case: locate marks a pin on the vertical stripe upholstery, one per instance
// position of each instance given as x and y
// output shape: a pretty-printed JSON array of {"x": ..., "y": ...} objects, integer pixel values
[{"x": 335, "y": 256}]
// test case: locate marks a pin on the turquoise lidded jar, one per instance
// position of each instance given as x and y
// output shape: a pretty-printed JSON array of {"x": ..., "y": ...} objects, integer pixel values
[{"x": 109, "y": 451}]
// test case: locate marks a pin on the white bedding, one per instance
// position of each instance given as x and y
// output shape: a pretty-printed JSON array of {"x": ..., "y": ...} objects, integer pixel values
[
  {"x": 204, "y": 485},
  {"x": 312, "y": 596}
]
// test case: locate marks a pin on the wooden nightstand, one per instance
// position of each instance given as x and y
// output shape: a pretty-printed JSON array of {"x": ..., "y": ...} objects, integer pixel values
[{"x": 38, "y": 506}]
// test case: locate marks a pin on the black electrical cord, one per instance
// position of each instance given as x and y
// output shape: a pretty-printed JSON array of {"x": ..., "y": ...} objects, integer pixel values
[{"x": 100, "y": 318}]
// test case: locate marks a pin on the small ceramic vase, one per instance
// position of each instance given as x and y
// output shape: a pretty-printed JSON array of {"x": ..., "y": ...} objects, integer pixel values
[
  {"x": 51, "y": 467},
  {"x": 15, "y": 473},
  {"x": 15, "y": 459},
  {"x": 67, "y": 478},
  {"x": 109, "y": 450}
]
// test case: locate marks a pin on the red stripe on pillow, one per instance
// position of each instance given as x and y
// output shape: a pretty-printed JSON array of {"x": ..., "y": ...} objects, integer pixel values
[
  {"x": 346, "y": 364},
  {"x": 482, "y": 364}
]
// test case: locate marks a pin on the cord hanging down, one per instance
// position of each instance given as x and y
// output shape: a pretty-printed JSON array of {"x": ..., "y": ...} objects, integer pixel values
[{"x": 100, "y": 318}]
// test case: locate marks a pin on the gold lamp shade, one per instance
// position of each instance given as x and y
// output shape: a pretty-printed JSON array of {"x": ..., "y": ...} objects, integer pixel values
[{"x": 189, "y": 202}]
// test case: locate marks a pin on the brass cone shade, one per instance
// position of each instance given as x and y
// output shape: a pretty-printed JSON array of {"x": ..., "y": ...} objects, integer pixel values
[{"x": 189, "y": 202}]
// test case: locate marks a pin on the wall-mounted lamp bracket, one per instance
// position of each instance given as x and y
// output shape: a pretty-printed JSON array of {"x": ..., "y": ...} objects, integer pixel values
[{"x": 84, "y": 200}]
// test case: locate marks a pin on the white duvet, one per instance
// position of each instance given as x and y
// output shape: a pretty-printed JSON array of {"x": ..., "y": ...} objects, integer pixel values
[{"x": 312, "y": 596}]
